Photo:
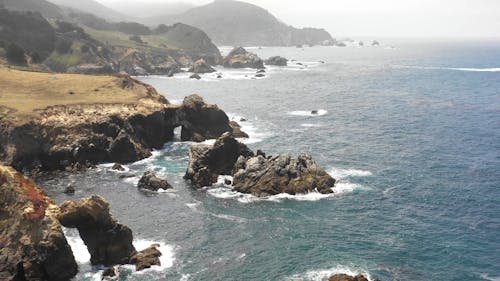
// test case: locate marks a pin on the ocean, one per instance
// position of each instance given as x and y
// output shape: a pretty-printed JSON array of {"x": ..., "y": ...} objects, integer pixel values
[{"x": 411, "y": 130}]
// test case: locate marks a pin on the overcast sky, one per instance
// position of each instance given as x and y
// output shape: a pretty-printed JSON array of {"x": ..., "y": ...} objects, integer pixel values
[{"x": 383, "y": 18}]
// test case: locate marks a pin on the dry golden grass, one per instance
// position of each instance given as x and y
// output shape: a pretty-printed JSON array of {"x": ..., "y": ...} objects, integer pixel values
[{"x": 22, "y": 93}]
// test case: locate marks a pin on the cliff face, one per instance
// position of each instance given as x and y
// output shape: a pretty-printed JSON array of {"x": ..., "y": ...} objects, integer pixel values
[
  {"x": 101, "y": 119},
  {"x": 32, "y": 244},
  {"x": 237, "y": 23}
]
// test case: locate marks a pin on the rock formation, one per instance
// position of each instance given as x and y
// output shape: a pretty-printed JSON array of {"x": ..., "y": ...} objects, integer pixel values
[
  {"x": 206, "y": 162},
  {"x": 263, "y": 176},
  {"x": 201, "y": 66},
  {"x": 108, "y": 241},
  {"x": 32, "y": 244},
  {"x": 255, "y": 174},
  {"x": 201, "y": 121},
  {"x": 277, "y": 60},
  {"x": 345, "y": 277},
  {"x": 151, "y": 182},
  {"x": 241, "y": 58}
]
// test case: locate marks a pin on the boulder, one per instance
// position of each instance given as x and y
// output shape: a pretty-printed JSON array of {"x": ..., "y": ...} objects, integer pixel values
[
  {"x": 151, "y": 182},
  {"x": 118, "y": 167},
  {"x": 264, "y": 176},
  {"x": 206, "y": 162},
  {"x": 108, "y": 242},
  {"x": 195, "y": 76},
  {"x": 241, "y": 58},
  {"x": 201, "y": 121},
  {"x": 345, "y": 277},
  {"x": 32, "y": 243},
  {"x": 146, "y": 258},
  {"x": 260, "y": 75},
  {"x": 201, "y": 66},
  {"x": 277, "y": 60}
]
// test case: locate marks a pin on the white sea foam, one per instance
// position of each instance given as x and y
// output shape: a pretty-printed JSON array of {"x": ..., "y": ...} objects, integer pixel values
[
  {"x": 324, "y": 274},
  {"x": 78, "y": 248},
  {"x": 309, "y": 125},
  {"x": 346, "y": 173},
  {"x": 255, "y": 135},
  {"x": 466, "y": 69},
  {"x": 489, "y": 277},
  {"x": 308, "y": 113}
]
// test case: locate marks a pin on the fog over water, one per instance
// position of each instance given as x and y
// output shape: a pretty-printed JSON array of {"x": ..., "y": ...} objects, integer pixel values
[{"x": 383, "y": 18}]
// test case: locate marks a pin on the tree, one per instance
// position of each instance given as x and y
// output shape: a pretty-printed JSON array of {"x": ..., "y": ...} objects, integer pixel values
[{"x": 15, "y": 54}]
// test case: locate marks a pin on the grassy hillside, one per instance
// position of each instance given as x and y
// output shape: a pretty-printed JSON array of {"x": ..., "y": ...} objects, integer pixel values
[{"x": 24, "y": 93}]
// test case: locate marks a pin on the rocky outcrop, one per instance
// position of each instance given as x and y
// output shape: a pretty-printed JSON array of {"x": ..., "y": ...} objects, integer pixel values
[
  {"x": 32, "y": 243},
  {"x": 201, "y": 121},
  {"x": 263, "y": 176},
  {"x": 108, "y": 241},
  {"x": 241, "y": 58},
  {"x": 73, "y": 136},
  {"x": 277, "y": 60},
  {"x": 146, "y": 258},
  {"x": 345, "y": 277},
  {"x": 255, "y": 174},
  {"x": 206, "y": 162},
  {"x": 150, "y": 181},
  {"x": 201, "y": 66}
]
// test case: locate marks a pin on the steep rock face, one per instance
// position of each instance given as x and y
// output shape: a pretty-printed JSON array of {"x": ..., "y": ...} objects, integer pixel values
[
  {"x": 151, "y": 182},
  {"x": 108, "y": 241},
  {"x": 201, "y": 121},
  {"x": 241, "y": 58},
  {"x": 32, "y": 244},
  {"x": 206, "y": 162}
]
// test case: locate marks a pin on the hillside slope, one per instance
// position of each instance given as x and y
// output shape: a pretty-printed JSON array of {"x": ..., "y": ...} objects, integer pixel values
[
  {"x": 92, "y": 7},
  {"x": 234, "y": 23}
]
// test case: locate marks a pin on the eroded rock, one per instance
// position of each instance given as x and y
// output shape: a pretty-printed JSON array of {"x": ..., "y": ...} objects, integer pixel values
[
  {"x": 32, "y": 243},
  {"x": 345, "y": 277},
  {"x": 201, "y": 66},
  {"x": 277, "y": 60},
  {"x": 241, "y": 58},
  {"x": 151, "y": 182}
]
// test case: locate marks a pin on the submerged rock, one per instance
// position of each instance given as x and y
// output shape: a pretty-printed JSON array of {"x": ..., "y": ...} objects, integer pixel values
[
  {"x": 277, "y": 174},
  {"x": 277, "y": 60},
  {"x": 195, "y": 76},
  {"x": 201, "y": 121},
  {"x": 206, "y": 162},
  {"x": 201, "y": 66},
  {"x": 151, "y": 182},
  {"x": 345, "y": 277},
  {"x": 32, "y": 243},
  {"x": 108, "y": 242},
  {"x": 118, "y": 167},
  {"x": 241, "y": 58}
]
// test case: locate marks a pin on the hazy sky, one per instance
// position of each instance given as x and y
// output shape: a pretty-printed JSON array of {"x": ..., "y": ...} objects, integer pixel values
[{"x": 383, "y": 18}]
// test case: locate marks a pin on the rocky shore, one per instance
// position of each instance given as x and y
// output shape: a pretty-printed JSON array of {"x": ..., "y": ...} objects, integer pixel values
[{"x": 120, "y": 122}]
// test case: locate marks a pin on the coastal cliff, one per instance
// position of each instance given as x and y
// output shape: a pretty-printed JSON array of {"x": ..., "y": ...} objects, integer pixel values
[{"x": 74, "y": 121}]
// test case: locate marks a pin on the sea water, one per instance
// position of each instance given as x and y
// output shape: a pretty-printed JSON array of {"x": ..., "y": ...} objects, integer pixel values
[{"x": 411, "y": 131}]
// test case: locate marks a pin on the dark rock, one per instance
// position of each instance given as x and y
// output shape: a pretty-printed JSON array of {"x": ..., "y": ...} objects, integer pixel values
[
  {"x": 126, "y": 176},
  {"x": 70, "y": 189},
  {"x": 32, "y": 243},
  {"x": 277, "y": 60},
  {"x": 375, "y": 43},
  {"x": 206, "y": 162},
  {"x": 118, "y": 167},
  {"x": 299, "y": 63},
  {"x": 201, "y": 66},
  {"x": 195, "y": 76},
  {"x": 260, "y": 75},
  {"x": 345, "y": 277},
  {"x": 228, "y": 182},
  {"x": 201, "y": 121},
  {"x": 151, "y": 182},
  {"x": 241, "y": 58},
  {"x": 314, "y": 112},
  {"x": 280, "y": 174},
  {"x": 243, "y": 119},
  {"x": 261, "y": 71},
  {"x": 108, "y": 242},
  {"x": 219, "y": 76},
  {"x": 108, "y": 272},
  {"x": 146, "y": 258}
]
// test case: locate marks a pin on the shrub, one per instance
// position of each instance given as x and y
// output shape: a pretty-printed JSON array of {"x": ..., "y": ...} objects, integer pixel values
[
  {"x": 63, "y": 46},
  {"x": 136, "y": 38},
  {"x": 15, "y": 54}
]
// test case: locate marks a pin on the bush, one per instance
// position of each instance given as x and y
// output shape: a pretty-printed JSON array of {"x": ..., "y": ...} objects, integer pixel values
[
  {"x": 15, "y": 54},
  {"x": 136, "y": 38},
  {"x": 35, "y": 57},
  {"x": 63, "y": 46}
]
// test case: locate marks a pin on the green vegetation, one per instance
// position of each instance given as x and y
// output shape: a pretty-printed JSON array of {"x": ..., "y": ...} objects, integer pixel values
[{"x": 15, "y": 54}]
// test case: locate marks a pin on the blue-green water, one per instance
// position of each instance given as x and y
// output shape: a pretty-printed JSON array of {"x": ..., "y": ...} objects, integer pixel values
[{"x": 413, "y": 134}]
